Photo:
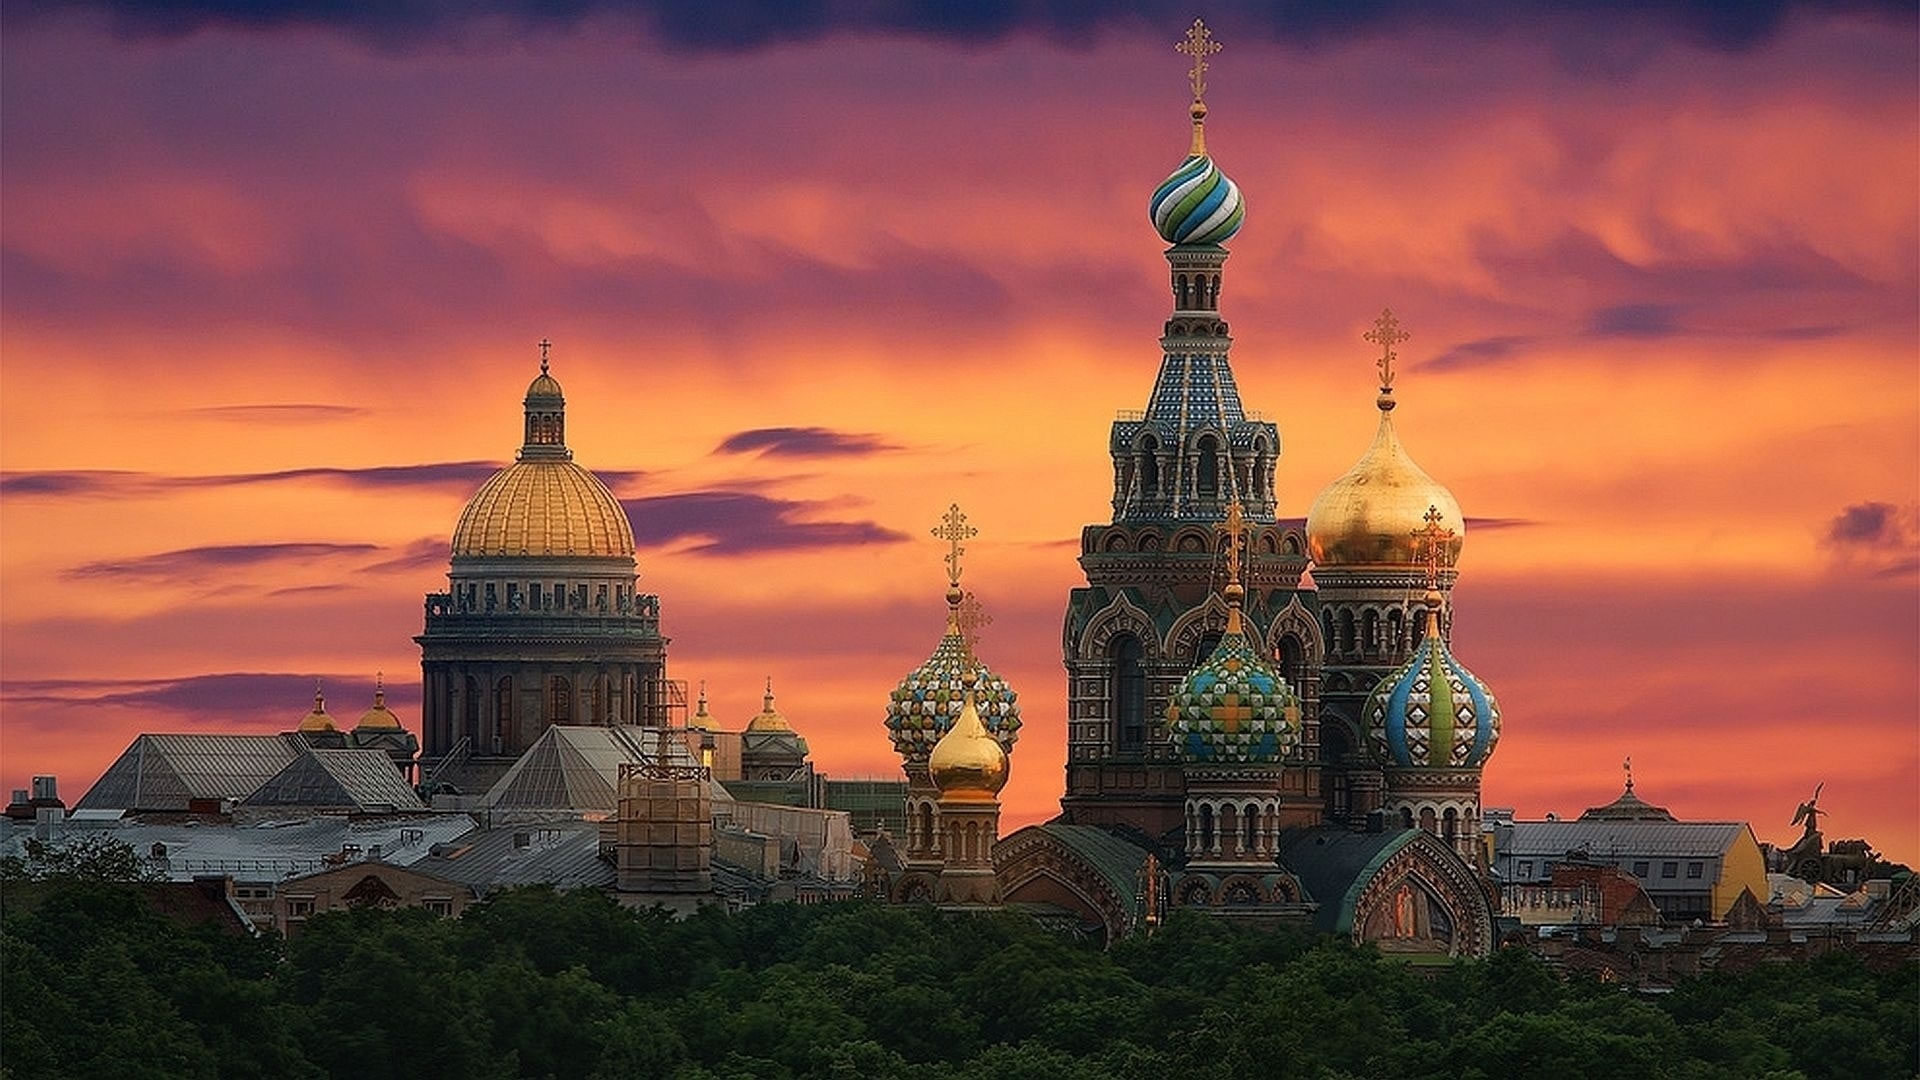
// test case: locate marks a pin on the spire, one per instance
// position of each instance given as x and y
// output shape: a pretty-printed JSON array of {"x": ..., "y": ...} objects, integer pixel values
[
  {"x": 319, "y": 699},
  {"x": 1235, "y": 529},
  {"x": 379, "y": 689}
]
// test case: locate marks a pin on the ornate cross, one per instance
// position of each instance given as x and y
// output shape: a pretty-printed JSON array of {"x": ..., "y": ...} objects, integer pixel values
[
  {"x": 1387, "y": 333},
  {"x": 972, "y": 618},
  {"x": 544, "y": 346},
  {"x": 1199, "y": 45},
  {"x": 1235, "y": 527},
  {"x": 1433, "y": 540},
  {"x": 953, "y": 528}
]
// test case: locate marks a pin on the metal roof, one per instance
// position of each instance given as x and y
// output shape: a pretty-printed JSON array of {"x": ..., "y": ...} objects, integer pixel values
[
  {"x": 577, "y": 769},
  {"x": 361, "y": 779},
  {"x": 1602, "y": 839},
  {"x": 168, "y": 772},
  {"x": 266, "y": 851},
  {"x": 566, "y": 856}
]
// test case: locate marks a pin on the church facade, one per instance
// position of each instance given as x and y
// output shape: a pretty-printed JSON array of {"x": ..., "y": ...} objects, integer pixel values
[{"x": 1264, "y": 716}]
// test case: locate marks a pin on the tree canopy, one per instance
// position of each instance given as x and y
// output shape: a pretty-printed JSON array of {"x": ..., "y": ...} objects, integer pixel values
[{"x": 540, "y": 984}]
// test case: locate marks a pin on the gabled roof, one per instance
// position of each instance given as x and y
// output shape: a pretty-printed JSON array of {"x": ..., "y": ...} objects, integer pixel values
[
  {"x": 360, "y": 780},
  {"x": 168, "y": 772},
  {"x": 577, "y": 769},
  {"x": 1605, "y": 839}
]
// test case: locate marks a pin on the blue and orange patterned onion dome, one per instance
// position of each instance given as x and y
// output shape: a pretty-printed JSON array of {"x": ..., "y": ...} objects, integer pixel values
[
  {"x": 1198, "y": 204},
  {"x": 1234, "y": 709},
  {"x": 1432, "y": 712},
  {"x": 928, "y": 701}
]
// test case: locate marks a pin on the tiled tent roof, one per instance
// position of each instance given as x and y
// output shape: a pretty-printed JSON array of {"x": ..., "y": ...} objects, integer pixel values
[
  {"x": 577, "y": 769},
  {"x": 168, "y": 772}
]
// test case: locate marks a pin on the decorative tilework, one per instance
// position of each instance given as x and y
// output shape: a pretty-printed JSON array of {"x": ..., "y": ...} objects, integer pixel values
[
  {"x": 928, "y": 700},
  {"x": 1198, "y": 204},
  {"x": 1432, "y": 712},
  {"x": 1232, "y": 709}
]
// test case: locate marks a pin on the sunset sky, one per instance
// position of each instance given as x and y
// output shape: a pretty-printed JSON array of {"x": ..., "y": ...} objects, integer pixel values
[{"x": 270, "y": 288}]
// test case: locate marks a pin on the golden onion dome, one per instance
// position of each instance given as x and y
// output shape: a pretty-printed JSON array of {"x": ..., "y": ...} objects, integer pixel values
[
  {"x": 968, "y": 762},
  {"x": 378, "y": 718},
  {"x": 317, "y": 720},
  {"x": 769, "y": 718},
  {"x": 543, "y": 506},
  {"x": 1373, "y": 515}
]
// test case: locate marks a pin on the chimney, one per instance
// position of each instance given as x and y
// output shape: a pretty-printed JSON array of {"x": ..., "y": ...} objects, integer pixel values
[{"x": 46, "y": 789}]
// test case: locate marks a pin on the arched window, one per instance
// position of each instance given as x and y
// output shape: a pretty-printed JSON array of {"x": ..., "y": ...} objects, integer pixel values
[
  {"x": 1346, "y": 632},
  {"x": 1209, "y": 641},
  {"x": 1293, "y": 661},
  {"x": 1149, "y": 467},
  {"x": 1250, "y": 822},
  {"x": 1129, "y": 694},
  {"x": 503, "y": 715},
  {"x": 1370, "y": 630},
  {"x": 1428, "y": 824},
  {"x": 559, "y": 700},
  {"x": 1450, "y": 824},
  {"x": 927, "y": 839},
  {"x": 1207, "y": 467},
  {"x": 1206, "y": 826},
  {"x": 1326, "y": 631},
  {"x": 1406, "y": 818},
  {"x": 1396, "y": 630}
]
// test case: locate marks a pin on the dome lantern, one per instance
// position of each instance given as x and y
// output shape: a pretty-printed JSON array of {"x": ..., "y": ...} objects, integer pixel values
[
  {"x": 379, "y": 717},
  {"x": 546, "y": 435},
  {"x": 317, "y": 720}
]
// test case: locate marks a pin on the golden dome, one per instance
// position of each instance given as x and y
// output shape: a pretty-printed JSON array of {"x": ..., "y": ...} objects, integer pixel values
[
  {"x": 543, "y": 506},
  {"x": 544, "y": 386},
  {"x": 378, "y": 718},
  {"x": 1370, "y": 516},
  {"x": 968, "y": 763},
  {"x": 317, "y": 720},
  {"x": 769, "y": 718}
]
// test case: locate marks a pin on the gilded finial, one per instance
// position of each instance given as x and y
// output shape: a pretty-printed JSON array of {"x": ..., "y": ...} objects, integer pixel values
[
  {"x": 544, "y": 346},
  {"x": 319, "y": 699},
  {"x": 1432, "y": 541},
  {"x": 1626, "y": 766},
  {"x": 1235, "y": 529},
  {"x": 1386, "y": 333},
  {"x": 767, "y": 701},
  {"x": 970, "y": 619},
  {"x": 953, "y": 528},
  {"x": 1199, "y": 45},
  {"x": 379, "y": 688}
]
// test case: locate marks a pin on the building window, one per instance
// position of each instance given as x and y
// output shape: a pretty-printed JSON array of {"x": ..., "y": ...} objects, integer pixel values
[
  {"x": 1641, "y": 869},
  {"x": 1525, "y": 868},
  {"x": 440, "y": 907},
  {"x": 1207, "y": 470},
  {"x": 559, "y": 700},
  {"x": 1669, "y": 869},
  {"x": 299, "y": 909},
  {"x": 1693, "y": 869},
  {"x": 1129, "y": 695}
]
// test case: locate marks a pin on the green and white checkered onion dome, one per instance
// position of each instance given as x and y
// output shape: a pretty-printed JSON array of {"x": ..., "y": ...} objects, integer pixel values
[
  {"x": 928, "y": 700},
  {"x": 1432, "y": 712},
  {"x": 1233, "y": 708}
]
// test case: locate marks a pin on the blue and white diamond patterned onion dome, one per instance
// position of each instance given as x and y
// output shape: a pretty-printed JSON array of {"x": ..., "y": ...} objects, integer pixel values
[
  {"x": 1432, "y": 713},
  {"x": 928, "y": 701},
  {"x": 1233, "y": 708},
  {"x": 1198, "y": 204}
]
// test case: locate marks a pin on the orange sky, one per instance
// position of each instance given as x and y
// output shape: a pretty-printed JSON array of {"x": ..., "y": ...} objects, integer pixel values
[{"x": 270, "y": 297}]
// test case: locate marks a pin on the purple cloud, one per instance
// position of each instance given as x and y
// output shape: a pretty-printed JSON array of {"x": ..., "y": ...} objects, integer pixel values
[
  {"x": 285, "y": 413},
  {"x": 454, "y": 476},
  {"x": 744, "y": 523},
  {"x": 803, "y": 442},
  {"x": 215, "y": 561},
  {"x": 221, "y": 695},
  {"x": 1484, "y": 352}
]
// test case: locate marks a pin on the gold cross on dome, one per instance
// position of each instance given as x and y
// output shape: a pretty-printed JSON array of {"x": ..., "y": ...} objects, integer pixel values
[
  {"x": 1387, "y": 333},
  {"x": 1432, "y": 541},
  {"x": 544, "y": 346},
  {"x": 953, "y": 528},
  {"x": 1235, "y": 528},
  {"x": 972, "y": 618},
  {"x": 1199, "y": 44}
]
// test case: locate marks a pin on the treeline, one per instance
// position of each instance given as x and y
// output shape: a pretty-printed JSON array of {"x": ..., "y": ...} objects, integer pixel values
[{"x": 532, "y": 983}]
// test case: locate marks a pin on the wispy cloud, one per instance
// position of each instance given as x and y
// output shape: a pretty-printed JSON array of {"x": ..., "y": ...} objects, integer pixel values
[
  {"x": 1483, "y": 352},
  {"x": 803, "y": 442},
  {"x": 220, "y": 563},
  {"x": 448, "y": 476},
  {"x": 1635, "y": 321},
  {"x": 216, "y": 696},
  {"x": 1877, "y": 538},
  {"x": 284, "y": 413},
  {"x": 744, "y": 523}
]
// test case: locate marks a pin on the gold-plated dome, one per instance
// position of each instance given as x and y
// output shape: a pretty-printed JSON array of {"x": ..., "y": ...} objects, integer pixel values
[
  {"x": 769, "y": 718},
  {"x": 317, "y": 720},
  {"x": 378, "y": 718},
  {"x": 967, "y": 762},
  {"x": 543, "y": 507},
  {"x": 544, "y": 386},
  {"x": 1370, "y": 516}
]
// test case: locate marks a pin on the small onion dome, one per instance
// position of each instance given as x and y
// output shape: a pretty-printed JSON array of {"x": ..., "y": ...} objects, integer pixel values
[
  {"x": 378, "y": 718},
  {"x": 968, "y": 762},
  {"x": 769, "y": 718},
  {"x": 1370, "y": 516},
  {"x": 1233, "y": 708},
  {"x": 1198, "y": 204},
  {"x": 317, "y": 720},
  {"x": 702, "y": 720},
  {"x": 1432, "y": 713},
  {"x": 928, "y": 701}
]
